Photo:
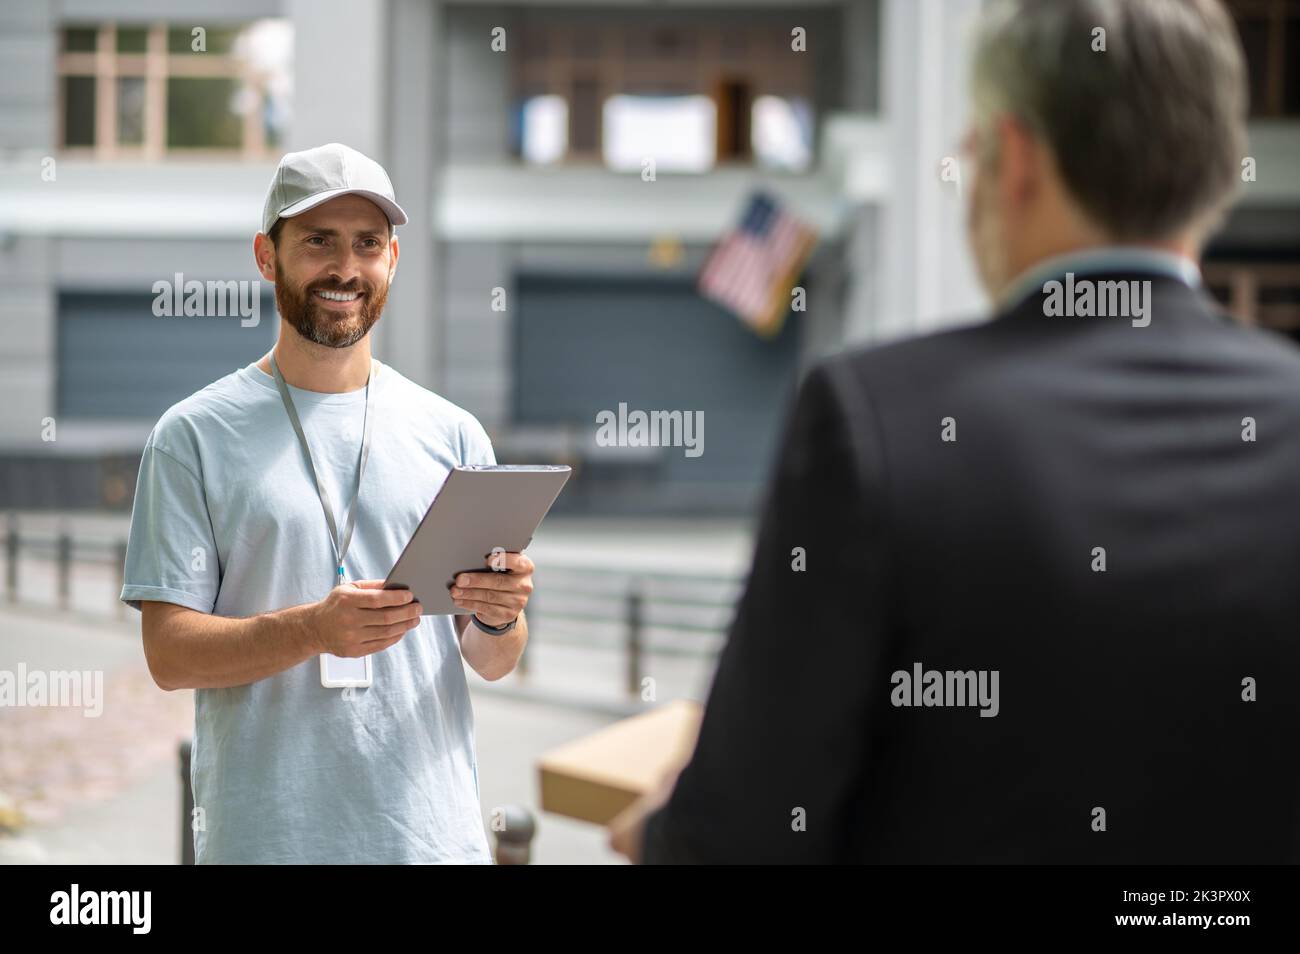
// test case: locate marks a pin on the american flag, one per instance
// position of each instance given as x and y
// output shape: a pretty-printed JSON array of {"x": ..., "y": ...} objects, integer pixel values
[{"x": 756, "y": 264}]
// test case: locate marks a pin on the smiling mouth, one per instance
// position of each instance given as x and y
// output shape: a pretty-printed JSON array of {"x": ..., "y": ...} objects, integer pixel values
[{"x": 338, "y": 297}]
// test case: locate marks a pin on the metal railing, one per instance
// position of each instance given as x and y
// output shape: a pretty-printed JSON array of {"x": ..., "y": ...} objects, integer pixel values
[
  {"x": 65, "y": 552},
  {"x": 654, "y": 613},
  {"x": 639, "y": 613}
]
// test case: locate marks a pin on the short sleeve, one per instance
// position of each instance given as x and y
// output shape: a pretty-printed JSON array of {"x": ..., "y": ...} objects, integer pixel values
[
  {"x": 171, "y": 555},
  {"x": 476, "y": 446}
]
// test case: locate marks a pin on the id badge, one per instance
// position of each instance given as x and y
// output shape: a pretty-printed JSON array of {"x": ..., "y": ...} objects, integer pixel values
[{"x": 341, "y": 672}]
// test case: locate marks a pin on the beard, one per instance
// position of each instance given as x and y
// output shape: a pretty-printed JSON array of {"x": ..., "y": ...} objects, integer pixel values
[{"x": 333, "y": 329}]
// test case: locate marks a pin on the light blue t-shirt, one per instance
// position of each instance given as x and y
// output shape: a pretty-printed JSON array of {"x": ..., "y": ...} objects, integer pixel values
[{"x": 227, "y": 521}]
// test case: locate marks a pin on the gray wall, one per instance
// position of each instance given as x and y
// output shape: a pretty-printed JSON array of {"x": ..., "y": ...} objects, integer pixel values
[
  {"x": 27, "y": 94},
  {"x": 27, "y": 324},
  {"x": 27, "y": 47}
]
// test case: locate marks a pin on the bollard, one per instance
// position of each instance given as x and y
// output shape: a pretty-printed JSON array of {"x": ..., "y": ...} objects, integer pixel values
[
  {"x": 634, "y": 639},
  {"x": 514, "y": 841},
  {"x": 11, "y": 559},
  {"x": 187, "y": 807},
  {"x": 65, "y": 571}
]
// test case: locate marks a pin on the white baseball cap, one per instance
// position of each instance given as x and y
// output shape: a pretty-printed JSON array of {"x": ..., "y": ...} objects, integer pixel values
[{"x": 305, "y": 179}]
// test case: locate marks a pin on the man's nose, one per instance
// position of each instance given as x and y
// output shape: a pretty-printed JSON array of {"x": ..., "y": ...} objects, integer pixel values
[{"x": 345, "y": 266}]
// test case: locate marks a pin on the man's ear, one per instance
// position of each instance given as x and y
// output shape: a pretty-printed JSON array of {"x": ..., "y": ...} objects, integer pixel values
[
  {"x": 1021, "y": 158},
  {"x": 394, "y": 251},
  {"x": 264, "y": 255}
]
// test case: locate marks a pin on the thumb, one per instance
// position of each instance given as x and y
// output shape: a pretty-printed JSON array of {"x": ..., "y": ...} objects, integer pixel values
[{"x": 369, "y": 584}]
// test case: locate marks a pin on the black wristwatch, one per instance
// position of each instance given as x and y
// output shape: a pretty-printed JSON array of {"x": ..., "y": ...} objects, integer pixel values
[{"x": 494, "y": 630}]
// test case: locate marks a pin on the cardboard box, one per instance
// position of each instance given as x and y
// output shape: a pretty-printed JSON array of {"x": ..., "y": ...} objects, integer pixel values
[{"x": 596, "y": 777}]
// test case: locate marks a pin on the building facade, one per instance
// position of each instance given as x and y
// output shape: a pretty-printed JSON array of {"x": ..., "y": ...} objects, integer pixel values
[{"x": 544, "y": 276}]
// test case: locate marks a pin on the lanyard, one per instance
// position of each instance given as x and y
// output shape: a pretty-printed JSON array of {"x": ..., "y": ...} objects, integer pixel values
[{"x": 340, "y": 546}]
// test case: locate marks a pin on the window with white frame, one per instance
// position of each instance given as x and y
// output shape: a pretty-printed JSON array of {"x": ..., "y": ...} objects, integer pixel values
[
  {"x": 692, "y": 95},
  {"x": 153, "y": 90}
]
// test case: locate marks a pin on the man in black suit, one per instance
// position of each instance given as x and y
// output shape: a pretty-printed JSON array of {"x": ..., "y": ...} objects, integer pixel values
[{"x": 1027, "y": 591}]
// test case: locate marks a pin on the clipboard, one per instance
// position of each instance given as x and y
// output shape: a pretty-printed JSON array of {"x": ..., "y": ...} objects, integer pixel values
[{"x": 480, "y": 508}]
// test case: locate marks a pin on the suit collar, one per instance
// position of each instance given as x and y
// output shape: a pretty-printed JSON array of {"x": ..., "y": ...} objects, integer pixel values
[{"x": 1109, "y": 259}]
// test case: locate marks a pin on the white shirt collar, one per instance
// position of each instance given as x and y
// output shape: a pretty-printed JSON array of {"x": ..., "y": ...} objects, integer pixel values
[{"x": 1106, "y": 258}]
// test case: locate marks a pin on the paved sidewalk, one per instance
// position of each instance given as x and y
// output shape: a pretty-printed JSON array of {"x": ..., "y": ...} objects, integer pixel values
[{"x": 107, "y": 790}]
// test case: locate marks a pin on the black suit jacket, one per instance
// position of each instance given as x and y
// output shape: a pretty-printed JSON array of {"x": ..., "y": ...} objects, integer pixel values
[{"x": 1120, "y": 690}]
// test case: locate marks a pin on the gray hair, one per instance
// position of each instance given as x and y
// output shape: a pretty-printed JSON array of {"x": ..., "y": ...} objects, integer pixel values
[{"x": 1149, "y": 133}]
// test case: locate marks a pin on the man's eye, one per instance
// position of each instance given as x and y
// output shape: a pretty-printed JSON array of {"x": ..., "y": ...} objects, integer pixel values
[{"x": 316, "y": 238}]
